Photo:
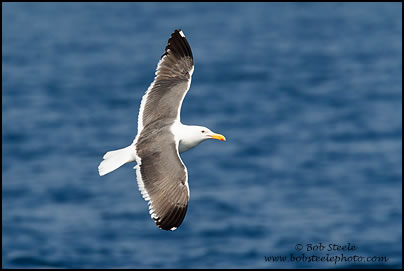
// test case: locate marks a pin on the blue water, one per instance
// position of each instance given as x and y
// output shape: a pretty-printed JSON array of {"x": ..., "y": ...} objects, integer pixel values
[{"x": 309, "y": 97}]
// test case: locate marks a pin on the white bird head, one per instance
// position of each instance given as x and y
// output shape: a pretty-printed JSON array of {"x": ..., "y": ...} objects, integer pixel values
[
  {"x": 190, "y": 136},
  {"x": 204, "y": 133}
]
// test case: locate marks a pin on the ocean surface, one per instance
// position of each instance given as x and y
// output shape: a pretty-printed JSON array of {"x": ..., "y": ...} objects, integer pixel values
[{"x": 308, "y": 95}]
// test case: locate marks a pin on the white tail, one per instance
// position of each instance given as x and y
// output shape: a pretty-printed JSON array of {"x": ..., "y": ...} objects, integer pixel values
[{"x": 115, "y": 159}]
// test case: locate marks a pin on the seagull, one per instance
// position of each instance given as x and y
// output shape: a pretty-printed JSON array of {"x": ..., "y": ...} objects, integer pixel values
[{"x": 162, "y": 177}]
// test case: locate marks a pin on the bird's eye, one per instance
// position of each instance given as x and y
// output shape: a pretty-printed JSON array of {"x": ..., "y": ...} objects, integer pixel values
[{"x": 203, "y": 131}]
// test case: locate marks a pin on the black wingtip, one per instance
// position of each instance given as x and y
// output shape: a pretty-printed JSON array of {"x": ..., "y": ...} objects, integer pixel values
[
  {"x": 178, "y": 45},
  {"x": 173, "y": 220}
]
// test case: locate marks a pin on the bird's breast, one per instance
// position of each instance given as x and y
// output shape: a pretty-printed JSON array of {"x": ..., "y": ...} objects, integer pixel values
[{"x": 185, "y": 145}]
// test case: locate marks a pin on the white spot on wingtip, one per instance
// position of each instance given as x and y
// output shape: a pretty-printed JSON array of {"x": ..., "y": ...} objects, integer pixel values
[
  {"x": 182, "y": 34},
  {"x": 173, "y": 228}
]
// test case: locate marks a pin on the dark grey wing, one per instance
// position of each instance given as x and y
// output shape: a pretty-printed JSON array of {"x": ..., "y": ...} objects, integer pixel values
[
  {"x": 164, "y": 97},
  {"x": 162, "y": 177}
]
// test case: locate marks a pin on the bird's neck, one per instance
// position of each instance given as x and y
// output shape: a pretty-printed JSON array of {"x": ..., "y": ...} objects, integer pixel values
[{"x": 185, "y": 134}]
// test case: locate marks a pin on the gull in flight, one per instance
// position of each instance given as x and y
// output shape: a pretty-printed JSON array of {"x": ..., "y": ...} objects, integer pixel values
[{"x": 161, "y": 175}]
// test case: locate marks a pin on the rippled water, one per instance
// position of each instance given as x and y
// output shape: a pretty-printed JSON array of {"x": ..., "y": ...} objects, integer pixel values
[{"x": 309, "y": 97}]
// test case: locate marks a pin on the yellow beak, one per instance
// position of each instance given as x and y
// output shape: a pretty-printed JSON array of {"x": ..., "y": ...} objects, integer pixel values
[{"x": 218, "y": 137}]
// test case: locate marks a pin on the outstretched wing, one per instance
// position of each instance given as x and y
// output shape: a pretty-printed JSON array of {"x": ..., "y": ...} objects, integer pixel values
[
  {"x": 162, "y": 177},
  {"x": 164, "y": 97}
]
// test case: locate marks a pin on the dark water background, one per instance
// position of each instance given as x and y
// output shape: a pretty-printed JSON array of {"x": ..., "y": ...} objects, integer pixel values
[{"x": 309, "y": 97}]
